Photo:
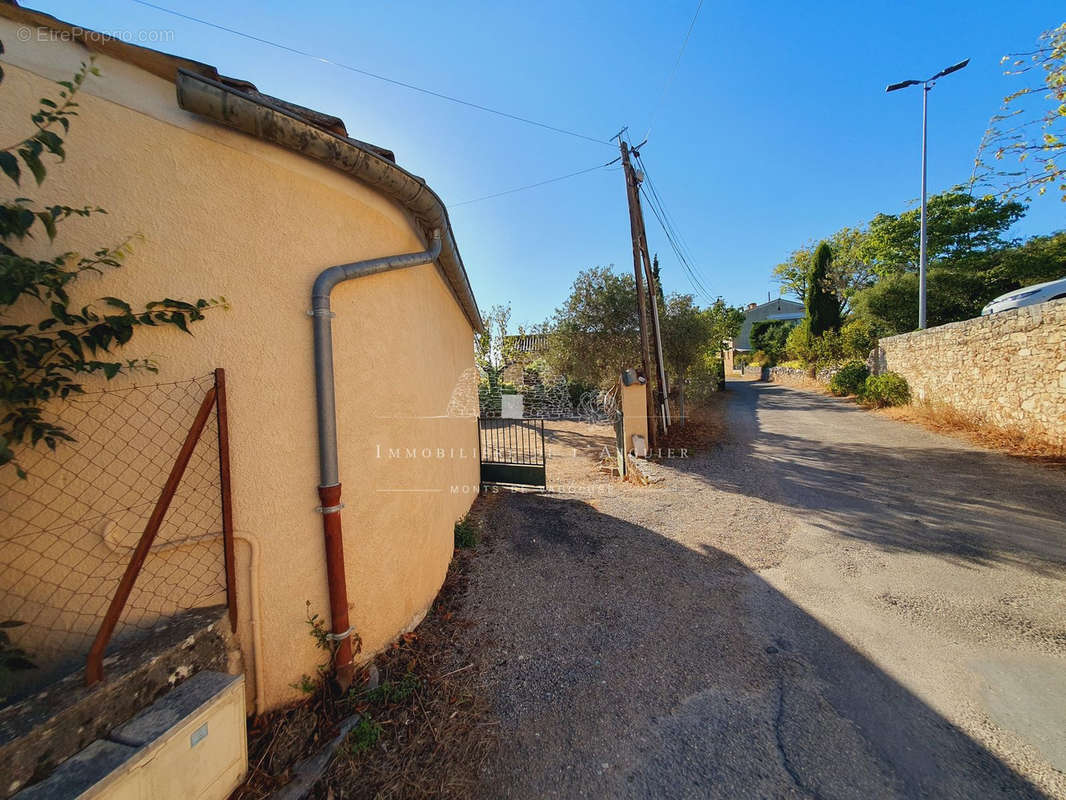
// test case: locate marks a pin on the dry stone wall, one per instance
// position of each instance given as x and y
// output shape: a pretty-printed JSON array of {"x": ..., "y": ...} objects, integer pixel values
[
  {"x": 1007, "y": 368},
  {"x": 790, "y": 376}
]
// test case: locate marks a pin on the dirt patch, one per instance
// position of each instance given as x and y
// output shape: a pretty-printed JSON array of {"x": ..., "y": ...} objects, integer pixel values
[
  {"x": 575, "y": 452},
  {"x": 704, "y": 427},
  {"x": 424, "y": 729}
]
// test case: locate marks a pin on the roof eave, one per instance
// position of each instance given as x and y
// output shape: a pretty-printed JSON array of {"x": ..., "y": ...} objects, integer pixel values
[{"x": 256, "y": 115}]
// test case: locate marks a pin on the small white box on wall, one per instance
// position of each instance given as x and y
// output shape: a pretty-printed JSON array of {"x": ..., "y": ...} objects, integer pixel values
[{"x": 511, "y": 406}]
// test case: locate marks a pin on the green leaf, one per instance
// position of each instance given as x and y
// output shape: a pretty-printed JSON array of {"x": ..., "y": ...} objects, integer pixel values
[
  {"x": 10, "y": 165},
  {"x": 73, "y": 342},
  {"x": 116, "y": 303},
  {"x": 52, "y": 142},
  {"x": 49, "y": 223},
  {"x": 10, "y": 623},
  {"x": 34, "y": 163}
]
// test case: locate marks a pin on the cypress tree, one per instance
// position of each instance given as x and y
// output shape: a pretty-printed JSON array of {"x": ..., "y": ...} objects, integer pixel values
[{"x": 823, "y": 308}]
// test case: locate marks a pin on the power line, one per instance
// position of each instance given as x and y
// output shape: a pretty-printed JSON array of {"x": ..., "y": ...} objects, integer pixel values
[
  {"x": 668, "y": 218},
  {"x": 689, "y": 273},
  {"x": 673, "y": 72},
  {"x": 674, "y": 240},
  {"x": 374, "y": 75},
  {"x": 533, "y": 185},
  {"x": 673, "y": 236}
]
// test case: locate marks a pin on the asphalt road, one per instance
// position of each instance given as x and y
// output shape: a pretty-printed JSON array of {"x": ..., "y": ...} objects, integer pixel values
[{"x": 830, "y": 605}]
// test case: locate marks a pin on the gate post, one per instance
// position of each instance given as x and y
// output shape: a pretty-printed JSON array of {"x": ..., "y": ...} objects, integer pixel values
[{"x": 634, "y": 404}]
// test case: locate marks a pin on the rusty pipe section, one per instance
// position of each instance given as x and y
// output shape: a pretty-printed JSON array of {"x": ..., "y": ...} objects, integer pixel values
[{"x": 329, "y": 487}]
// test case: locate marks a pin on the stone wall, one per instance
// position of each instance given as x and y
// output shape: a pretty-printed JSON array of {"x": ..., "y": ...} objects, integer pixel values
[
  {"x": 790, "y": 376},
  {"x": 1007, "y": 368}
]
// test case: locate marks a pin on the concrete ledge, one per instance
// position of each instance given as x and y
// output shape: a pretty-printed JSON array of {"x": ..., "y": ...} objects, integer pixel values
[
  {"x": 81, "y": 771},
  {"x": 51, "y": 726}
]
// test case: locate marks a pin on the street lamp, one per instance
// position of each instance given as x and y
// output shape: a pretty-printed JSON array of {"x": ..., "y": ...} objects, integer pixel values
[{"x": 926, "y": 86}]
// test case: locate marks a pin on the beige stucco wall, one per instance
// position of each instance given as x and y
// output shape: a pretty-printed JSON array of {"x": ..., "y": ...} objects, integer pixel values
[
  {"x": 223, "y": 214},
  {"x": 1007, "y": 368}
]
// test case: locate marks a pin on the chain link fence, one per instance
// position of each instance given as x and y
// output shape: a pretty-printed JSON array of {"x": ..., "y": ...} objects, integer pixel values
[{"x": 67, "y": 532}]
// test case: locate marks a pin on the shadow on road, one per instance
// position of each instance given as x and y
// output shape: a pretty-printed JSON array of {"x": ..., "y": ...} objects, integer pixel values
[
  {"x": 947, "y": 500},
  {"x": 623, "y": 663}
]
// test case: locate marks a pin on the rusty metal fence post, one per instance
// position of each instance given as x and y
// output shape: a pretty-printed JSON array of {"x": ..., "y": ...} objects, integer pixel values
[{"x": 215, "y": 398}]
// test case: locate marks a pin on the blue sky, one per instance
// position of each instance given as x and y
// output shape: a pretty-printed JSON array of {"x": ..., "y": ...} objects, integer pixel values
[{"x": 776, "y": 129}]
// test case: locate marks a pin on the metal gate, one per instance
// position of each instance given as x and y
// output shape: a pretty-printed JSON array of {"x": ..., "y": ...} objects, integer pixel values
[{"x": 512, "y": 451}]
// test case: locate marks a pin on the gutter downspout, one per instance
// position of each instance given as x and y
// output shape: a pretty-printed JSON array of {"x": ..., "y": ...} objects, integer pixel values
[{"x": 329, "y": 488}]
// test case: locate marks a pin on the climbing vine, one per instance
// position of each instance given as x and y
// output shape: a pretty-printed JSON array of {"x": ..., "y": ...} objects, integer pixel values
[{"x": 49, "y": 357}]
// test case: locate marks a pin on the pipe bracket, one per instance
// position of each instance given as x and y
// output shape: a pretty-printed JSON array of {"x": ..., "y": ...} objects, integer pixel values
[
  {"x": 336, "y": 637},
  {"x": 329, "y": 509},
  {"x": 320, "y": 312}
]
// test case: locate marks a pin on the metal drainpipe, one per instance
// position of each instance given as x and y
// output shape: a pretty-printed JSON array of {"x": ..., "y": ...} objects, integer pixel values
[{"x": 329, "y": 488}]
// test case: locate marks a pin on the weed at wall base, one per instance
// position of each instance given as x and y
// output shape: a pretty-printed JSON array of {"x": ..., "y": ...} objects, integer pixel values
[
  {"x": 466, "y": 533},
  {"x": 363, "y": 736}
]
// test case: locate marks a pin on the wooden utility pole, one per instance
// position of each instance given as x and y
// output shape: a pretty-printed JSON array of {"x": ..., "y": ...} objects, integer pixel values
[
  {"x": 642, "y": 307},
  {"x": 653, "y": 292},
  {"x": 641, "y": 257}
]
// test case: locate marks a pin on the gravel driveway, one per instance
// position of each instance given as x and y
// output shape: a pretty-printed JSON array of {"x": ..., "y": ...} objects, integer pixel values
[{"x": 829, "y": 604}]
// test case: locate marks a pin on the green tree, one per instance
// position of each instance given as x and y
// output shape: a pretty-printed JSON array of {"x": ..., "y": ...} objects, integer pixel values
[
  {"x": 849, "y": 271},
  {"x": 771, "y": 336},
  {"x": 48, "y": 358},
  {"x": 960, "y": 292},
  {"x": 492, "y": 349},
  {"x": 1026, "y": 130},
  {"x": 822, "y": 303},
  {"x": 1038, "y": 259},
  {"x": 658, "y": 282},
  {"x": 724, "y": 321},
  {"x": 959, "y": 227},
  {"x": 595, "y": 334},
  {"x": 686, "y": 335}
]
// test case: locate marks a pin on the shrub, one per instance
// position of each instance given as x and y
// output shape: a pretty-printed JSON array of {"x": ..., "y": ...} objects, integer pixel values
[
  {"x": 889, "y": 389},
  {"x": 827, "y": 349},
  {"x": 770, "y": 336},
  {"x": 849, "y": 379},
  {"x": 490, "y": 396},
  {"x": 705, "y": 377},
  {"x": 578, "y": 389},
  {"x": 857, "y": 339},
  {"x": 760, "y": 359},
  {"x": 798, "y": 344}
]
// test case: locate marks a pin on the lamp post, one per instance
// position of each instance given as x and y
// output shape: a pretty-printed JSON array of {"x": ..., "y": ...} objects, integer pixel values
[{"x": 922, "y": 258}]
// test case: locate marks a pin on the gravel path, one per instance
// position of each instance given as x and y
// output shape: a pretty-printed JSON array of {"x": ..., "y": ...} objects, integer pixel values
[{"x": 830, "y": 604}]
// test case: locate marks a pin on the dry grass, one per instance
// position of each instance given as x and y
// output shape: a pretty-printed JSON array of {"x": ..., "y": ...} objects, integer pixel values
[
  {"x": 942, "y": 418},
  {"x": 1015, "y": 441},
  {"x": 426, "y": 728}
]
